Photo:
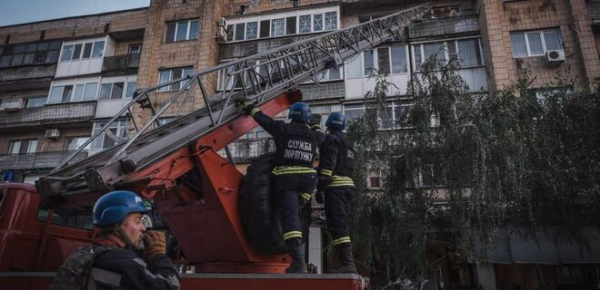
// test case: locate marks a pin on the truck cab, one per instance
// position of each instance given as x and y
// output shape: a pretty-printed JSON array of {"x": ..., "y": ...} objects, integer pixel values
[{"x": 44, "y": 238}]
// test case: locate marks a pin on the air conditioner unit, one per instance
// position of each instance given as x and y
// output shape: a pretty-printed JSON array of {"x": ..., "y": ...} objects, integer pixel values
[
  {"x": 52, "y": 133},
  {"x": 221, "y": 34},
  {"x": 222, "y": 22},
  {"x": 554, "y": 57}
]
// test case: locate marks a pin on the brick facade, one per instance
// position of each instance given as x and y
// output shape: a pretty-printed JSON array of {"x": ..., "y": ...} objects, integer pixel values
[{"x": 498, "y": 19}]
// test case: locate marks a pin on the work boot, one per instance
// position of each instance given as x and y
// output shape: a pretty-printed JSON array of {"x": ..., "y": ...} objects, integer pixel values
[
  {"x": 346, "y": 258},
  {"x": 295, "y": 249}
]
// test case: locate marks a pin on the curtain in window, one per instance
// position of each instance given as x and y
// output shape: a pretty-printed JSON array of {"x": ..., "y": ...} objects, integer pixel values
[
  {"x": 468, "y": 52},
  {"x": 519, "y": 48}
]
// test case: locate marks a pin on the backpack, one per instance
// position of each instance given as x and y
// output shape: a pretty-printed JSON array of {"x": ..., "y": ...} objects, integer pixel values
[{"x": 74, "y": 272}]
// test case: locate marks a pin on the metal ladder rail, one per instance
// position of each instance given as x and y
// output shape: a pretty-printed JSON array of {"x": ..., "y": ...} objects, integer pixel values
[{"x": 346, "y": 42}]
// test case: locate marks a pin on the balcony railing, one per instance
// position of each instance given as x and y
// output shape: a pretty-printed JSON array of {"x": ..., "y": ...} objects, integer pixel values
[
  {"x": 50, "y": 114},
  {"x": 37, "y": 160},
  {"x": 121, "y": 62},
  {"x": 444, "y": 26},
  {"x": 594, "y": 11},
  {"x": 27, "y": 72},
  {"x": 244, "y": 150}
]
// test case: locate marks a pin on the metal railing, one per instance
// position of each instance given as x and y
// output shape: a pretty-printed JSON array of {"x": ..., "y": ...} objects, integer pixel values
[
  {"x": 58, "y": 113},
  {"x": 37, "y": 160},
  {"x": 121, "y": 62}
]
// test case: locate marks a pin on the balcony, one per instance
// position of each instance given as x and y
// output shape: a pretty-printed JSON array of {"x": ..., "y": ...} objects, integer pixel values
[
  {"x": 594, "y": 10},
  {"x": 26, "y": 77},
  {"x": 244, "y": 150},
  {"x": 38, "y": 160},
  {"x": 468, "y": 24},
  {"x": 49, "y": 114},
  {"x": 121, "y": 63},
  {"x": 240, "y": 49}
]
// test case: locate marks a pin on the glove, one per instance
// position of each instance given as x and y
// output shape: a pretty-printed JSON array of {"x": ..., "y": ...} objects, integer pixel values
[
  {"x": 247, "y": 106},
  {"x": 315, "y": 120},
  {"x": 323, "y": 182},
  {"x": 155, "y": 243},
  {"x": 319, "y": 197}
]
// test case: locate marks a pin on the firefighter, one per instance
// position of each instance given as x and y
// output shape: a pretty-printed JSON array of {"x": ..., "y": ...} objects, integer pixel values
[
  {"x": 111, "y": 262},
  {"x": 335, "y": 186},
  {"x": 294, "y": 178}
]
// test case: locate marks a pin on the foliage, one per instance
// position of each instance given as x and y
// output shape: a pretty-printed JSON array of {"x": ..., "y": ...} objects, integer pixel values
[{"x": 523, "y": 157}]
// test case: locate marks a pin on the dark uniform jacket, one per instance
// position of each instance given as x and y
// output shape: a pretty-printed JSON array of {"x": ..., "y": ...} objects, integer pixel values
[
  {"x": 111, "y": 267},
  {"x": 296, "y": 144},
  {"x": 337, "y": 159}
]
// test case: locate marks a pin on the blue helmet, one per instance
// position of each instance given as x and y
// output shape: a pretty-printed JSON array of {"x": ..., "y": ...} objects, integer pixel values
[
  {"x": 336, "y": 121},
  {"x": 300, "y": 111},
  {"x": 114, "y": 207}
]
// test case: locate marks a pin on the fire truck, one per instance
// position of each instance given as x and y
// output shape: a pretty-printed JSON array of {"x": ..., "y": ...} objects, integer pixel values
[{"x": 223, "y": 222}]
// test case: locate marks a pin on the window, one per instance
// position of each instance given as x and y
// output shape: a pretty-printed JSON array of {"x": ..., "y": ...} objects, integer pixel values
[
  {"x": 385, "y": 59},
  {"x": 173, "y": 74},
  {"x": 443, "y": 12},
  {"x": 467, "y": 53},
  {"x": 330, "y": 20},
  {"x": 73, "y": 143},
  {"x": 34, "y": 102},
  {"x": 305, "y": 24},
  {"x": 252, "y": 30},
  {"x": 112, "y": 91},
  {"x": 71, "y": 93},
  {"x": 90, "y": 91},
  {"x": 282, "y": 24},
  {"x": 116, "y": 134},
  {"x": 130, "y": 90},
  {"x": 74, "y": 52},
  {"x": 182, "y": 30},
  {"x": 98, "y": 49},
  {"x": 374, "y": 182},
  {"x": 534, "y": 43},
  {"x": 353, "y": 113},
  {"x": 23, "y": 146},
  {"x": 87, "y": 50},
  {"x": 277, "y": 27},
  {"x": 29, "y": 54},
  {"x": 72, "y": 217},
  {"x": 135, "y": 48}
]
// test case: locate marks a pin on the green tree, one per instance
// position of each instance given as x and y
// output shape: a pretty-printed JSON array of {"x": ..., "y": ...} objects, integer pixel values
[{"x": 523, "y": 157}]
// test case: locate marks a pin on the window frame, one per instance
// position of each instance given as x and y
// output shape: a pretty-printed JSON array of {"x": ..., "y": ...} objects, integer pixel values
[
  {"x": 28, "y": 150},
  {"x": 121, "y": 126},
  {"x": 376, "y": 61},
  {"x": 285, "y": 17},
  {"x": 542, "y": 35},
  {"x": 188, "y": 33},
  {"x": 446, "y": 52},
  {"x": 45, "y": 98},
  {"x": 170, "y": 88},
  {"x": 71, "y": 138},
  {"x": 72, "y": 97}
]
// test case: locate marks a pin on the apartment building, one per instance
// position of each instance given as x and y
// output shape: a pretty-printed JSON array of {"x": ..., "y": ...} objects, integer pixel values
[{"x": 61, "y": 80}]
